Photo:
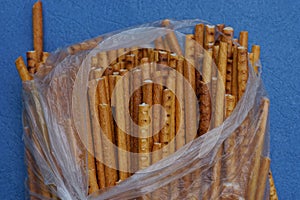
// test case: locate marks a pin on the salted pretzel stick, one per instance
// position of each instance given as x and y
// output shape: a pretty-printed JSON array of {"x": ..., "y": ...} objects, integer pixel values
[
  {"x": 171, "y": 85},
  {"x": 32, "y": 61},
  {"x": 190, "y": 101},
  {"x": 157, "y": 100},
  {"x": 22, "y": 69},
  {"x": 111, "y": 176},
  {"x": 242, "y": 67},
  {"x": 144, "y": 147},
  {"x": 243, "y": 39},
  {"x": 94, "y": 141},
  {"x": 234, "y": 82},
  {"x": 147, "y": 98},
  {"x": 259, "y": 140},
  {"x": 199, "y": 38},
  {"x": 263, "y": 177},
  {"x": 121, "y": 134},
  {"x": 37, "y": 26},
  {"x": 209, "y": 37}
]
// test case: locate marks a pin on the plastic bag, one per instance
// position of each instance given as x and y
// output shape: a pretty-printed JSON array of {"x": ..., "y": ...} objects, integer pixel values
[{"x": 225, "y": 163}]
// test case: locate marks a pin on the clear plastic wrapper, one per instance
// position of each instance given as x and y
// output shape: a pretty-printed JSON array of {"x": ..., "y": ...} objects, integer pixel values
[{"x": 69, "y": 153}]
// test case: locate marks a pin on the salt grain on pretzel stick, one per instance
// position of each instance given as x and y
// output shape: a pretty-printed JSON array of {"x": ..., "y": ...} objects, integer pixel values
[
  {"x": 263, "y": 177},
  {"x": 37, "y": 26},
  {"x": 111, "y": 176},
  {"x": 259, "y": 141},
  {"x": 121, "y": 134},
  {"x": 94, "y": 142},
  {"x": 22, "y": 69}
]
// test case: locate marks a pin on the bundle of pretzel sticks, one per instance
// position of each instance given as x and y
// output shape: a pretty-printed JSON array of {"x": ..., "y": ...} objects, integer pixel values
[{"x": 198, "y": 83}]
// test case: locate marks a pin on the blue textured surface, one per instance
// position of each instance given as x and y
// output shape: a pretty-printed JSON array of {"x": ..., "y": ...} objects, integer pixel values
[{"x": 272, "y": 24}]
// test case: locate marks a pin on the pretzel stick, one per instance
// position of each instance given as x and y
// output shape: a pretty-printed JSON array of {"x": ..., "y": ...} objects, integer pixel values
[
  {"x": 121, "y": 135},
  {"x": 259, "y": 140},
  {"x": 102, "y": 59},
  {"x": 96, "y": 147},
  {"x": 156, "y": 156},
  {"x": 32, "y": 61},
  {"x": 199, "y": 38},
  {"x": 243, "y": 39},
  {"x": 256, "y": 55},
  {"x": 171, "y": 39},
  {"x": 147, "y": 98},
  {"x": 263, "y": 176},
  {"x": 112, "y": 57},
  {"x": 22, "y": 69},
  {"x": 234, "y": 82},
  {"x": 190, "y": 101},
  {"x": 37, "y": 26},
  {"x": 144, "y": 136},
  {"x": 159, "y": 44},
  {"x": 242, "y": 66},
  {"x": 273, "y": 193},
  {"x": 157, "y": 100},
  {"x": 111, "y": 176},
  {"x": 209, "y": 36},
  {"x": 136, "y": 100},
  {"x": 205, "y": 98},
  {"x": 179, "y": 105},
  {"x": 228, "y": 36}
]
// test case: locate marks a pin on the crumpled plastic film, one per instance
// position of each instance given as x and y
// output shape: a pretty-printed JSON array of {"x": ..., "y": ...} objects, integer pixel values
[{"x": 224, "y": 163}]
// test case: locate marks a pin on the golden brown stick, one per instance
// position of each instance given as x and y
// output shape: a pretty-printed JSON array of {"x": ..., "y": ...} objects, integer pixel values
[
  {"x": 228, "y": 36},
  {"x": 205, "y": 96},
  {"x": 112, "y": 83},
  {"x": 147, "y": 98},
  {"x": 171, "y": 84},
  {"x": 209, "y": 36},
  {"x": 144, "y": 136},
  {"x": 45, "y": 57},
  {"x": 199, "y": 38},
  {"x": 37, "y": 26},
  {"x": 146, "y": 69},
  {"x": 95, "y": 148},
  {"x": 179, "y": 108},
  {"x": 243, "y": 39},
  {"x": 136, "y": 101},
  {"x": 106, "y": 86},
  {"x": 22, "y": 69},
  {"x": 83, "y": 46},
  {"x": 259, "y": 140},
  {"x": 273, "y": 193},
  {"x": 156, "y": 156},
  {"x": 159, "y": 44},
  {"x": 157, "y": 100},
  {"x": 130, "y": 61},
  {"x": 112, "y": 57},
  {"x": 215, "y": 57},
  {"x": 102, "y": 60},
  {"x": 242, "y": 66},
  {"x": 111, "y": 176},
  {"x": 256, "y": 56},
  {"x": 171, "y": 39},
  {"x": 234, "y": 81},
  {"x": 190, "y": 100},
  {"x": 263, "y": 177},
  {"x": 173, "y": 60},
  {"x": 32, "y": 61},
  {"x": 121, "y": 134},
  {"x": 222, "y": 63},
  {"x": 121, "y": 54}
]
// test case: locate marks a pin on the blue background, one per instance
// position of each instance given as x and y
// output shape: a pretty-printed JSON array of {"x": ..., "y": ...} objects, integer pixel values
[{"x": 272, "y": 24}]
